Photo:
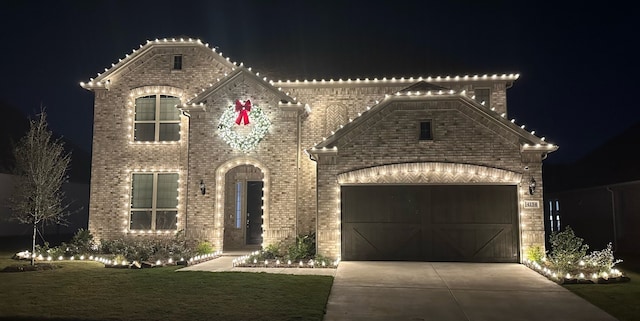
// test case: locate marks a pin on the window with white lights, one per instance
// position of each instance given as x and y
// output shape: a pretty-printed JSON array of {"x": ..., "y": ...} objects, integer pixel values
[
  {"x": 157, "y": 119},
  {"x": 154, "y": 201},
  {"x": 483, "y": 96}
]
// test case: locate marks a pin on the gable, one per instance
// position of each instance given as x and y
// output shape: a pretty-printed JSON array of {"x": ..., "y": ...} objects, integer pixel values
[
  {"x": 152, "y": 49},
  {"x": 237, "y": 77},
  {"x": 404, "y": 110}
]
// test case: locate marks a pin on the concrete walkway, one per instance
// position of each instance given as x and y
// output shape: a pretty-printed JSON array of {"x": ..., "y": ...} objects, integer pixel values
[{"x": 452, "y": 291}]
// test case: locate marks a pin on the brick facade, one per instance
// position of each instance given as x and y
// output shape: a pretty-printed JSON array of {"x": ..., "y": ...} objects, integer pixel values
[{"x": 322, "y": 132}]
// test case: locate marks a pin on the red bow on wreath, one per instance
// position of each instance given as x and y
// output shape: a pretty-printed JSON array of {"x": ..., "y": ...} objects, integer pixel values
[{"x": 243, "y": 112}]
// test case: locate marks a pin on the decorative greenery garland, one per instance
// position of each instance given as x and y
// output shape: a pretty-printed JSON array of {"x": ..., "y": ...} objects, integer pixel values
[{"x": 260, "y": 126}]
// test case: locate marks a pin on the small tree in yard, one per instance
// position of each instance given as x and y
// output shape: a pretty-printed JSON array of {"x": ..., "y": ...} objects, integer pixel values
[{"x": 41, "y": 166}]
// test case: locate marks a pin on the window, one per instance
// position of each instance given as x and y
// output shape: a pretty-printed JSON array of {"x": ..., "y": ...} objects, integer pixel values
[
  {"x": 554, "y": 215},
  {"x": 154, "y": 201},
  {"x": 157, "y": 119},
  {"x": 239, "y": 205},
  {"x": 425, "y": 130},
  {"x": 483, "y": 96},
  {"x": 177, "y": 62}
]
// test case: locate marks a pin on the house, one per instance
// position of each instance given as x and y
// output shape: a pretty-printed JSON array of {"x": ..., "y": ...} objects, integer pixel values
[
  {"x": 598, "y": 195},
  {"x": 416, "y": 168}
]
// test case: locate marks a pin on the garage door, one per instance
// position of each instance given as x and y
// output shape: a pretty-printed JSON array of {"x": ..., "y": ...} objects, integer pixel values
[{"x": 471, "y": 223}]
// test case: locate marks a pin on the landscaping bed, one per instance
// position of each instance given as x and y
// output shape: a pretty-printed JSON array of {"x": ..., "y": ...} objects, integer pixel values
[
  {"x": 257, "y": 260},
  {"x": 569, "y": 263}
]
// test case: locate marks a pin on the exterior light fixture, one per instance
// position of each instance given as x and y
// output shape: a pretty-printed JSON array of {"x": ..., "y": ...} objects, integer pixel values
[
  {"x": 203, "y": 188},
  {"x": 532, "y": 186}
]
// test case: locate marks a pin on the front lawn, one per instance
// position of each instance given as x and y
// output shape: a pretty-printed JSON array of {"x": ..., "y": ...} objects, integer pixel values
[
  {"x": 88, "y": 291},
  {"x": 621, "y": 300}
]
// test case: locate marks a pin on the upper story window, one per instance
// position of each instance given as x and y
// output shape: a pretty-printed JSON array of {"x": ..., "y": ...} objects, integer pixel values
[
  {"x": 425, "y": 130},
  {"x": 177, "y": 62},
  {"x": 483, "y": 96},
  {"x": 154, "y": 201},
  {"x": 157, "y": 119}
]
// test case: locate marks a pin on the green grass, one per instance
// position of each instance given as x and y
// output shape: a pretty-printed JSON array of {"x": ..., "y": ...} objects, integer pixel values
[
  {"x": 88, "y": 291},
  {"x": 621, "y": 300}
]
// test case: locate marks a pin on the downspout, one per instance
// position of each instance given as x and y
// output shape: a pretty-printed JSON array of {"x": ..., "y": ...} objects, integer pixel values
[
  {"x": 299, "y": 126},
  {"x": 186, "y": 202},
  {"x": 613, "y": 217}
]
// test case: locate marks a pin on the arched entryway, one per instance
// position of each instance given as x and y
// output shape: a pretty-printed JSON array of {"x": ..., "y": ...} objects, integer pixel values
[{"x": 241, "y": 204}]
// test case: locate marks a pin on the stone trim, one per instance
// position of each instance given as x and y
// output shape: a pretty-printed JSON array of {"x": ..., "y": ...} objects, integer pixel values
[{"x": 430, "y": 172}]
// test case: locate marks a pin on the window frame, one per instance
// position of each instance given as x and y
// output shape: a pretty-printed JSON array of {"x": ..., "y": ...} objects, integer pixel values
[
  {"x": 488, "y": 100},
  {"x": 420, "y": 137},
  {"x": 157, "y": 121},
  {"x": 240, "y": 203},
  {"x": 154, "y": 209},
  {"x": 177, "y": 62}
]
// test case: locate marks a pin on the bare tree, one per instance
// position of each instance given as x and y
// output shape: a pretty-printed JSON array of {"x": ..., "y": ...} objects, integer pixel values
[{"x": 41, "y": 166}]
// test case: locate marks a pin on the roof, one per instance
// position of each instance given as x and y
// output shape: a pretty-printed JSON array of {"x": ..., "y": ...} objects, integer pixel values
[{"x": 103, "y": 79}]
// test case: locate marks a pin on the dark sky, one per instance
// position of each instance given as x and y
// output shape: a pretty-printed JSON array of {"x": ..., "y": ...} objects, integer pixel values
[{"x": 576, "y": 61}]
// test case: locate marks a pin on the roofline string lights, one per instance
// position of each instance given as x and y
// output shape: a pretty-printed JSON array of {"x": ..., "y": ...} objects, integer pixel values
[
  {"x": 429, "y": 93},
  {"x": 93, "y": 83},
  {"x": 484, "y": 77}
]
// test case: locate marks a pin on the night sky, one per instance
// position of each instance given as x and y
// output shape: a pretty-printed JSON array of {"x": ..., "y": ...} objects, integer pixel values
[{"x": 576, "y": 62}]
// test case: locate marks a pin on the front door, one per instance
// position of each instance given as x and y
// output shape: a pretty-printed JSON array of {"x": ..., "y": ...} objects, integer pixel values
[{"x": 254, "y": 212}]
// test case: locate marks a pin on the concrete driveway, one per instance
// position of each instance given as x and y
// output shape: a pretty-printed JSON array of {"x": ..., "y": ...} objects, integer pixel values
[{"x": 452, "y": 291}]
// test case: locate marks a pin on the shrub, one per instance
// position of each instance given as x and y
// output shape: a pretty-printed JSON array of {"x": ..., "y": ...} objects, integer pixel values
[
  {"x": 602, "y": 260},
  {"x": 83, "y": 242},
  {"x": 154, "y": 249},
  {"x": 271, "y": 252},
  {"x": 567, "y": 250},
  {"x": 204, "y": 247},
  {"x": 535, "y": 253},
  {"x": 303, "y": 248}
]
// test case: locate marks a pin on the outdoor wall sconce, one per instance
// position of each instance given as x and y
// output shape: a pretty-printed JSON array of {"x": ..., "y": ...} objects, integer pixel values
[
  {"x": 532, "y": 186},
  {"x": 203, "y": 189}
]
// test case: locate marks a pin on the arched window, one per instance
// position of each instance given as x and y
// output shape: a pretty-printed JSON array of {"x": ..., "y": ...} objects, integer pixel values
[{"x": 156, "y": 119}]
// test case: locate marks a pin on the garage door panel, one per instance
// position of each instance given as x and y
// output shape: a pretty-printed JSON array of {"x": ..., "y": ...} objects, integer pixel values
[
  {"x": 376, "y": 241},
  {"x": 430, "y": 223},
  {"x": 474, "y": 243},
  {"x": 394, "y": 204},
  {"x": 473, "y": 204}
]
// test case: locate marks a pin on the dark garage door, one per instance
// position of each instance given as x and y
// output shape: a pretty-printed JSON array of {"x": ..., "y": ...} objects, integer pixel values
[{"x": 470, "y": 223}]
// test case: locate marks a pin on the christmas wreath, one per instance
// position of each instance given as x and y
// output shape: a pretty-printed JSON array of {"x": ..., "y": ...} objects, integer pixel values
[{"x": 236, "y": 129}]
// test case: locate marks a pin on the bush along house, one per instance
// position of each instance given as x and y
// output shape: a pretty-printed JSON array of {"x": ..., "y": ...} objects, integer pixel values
[{"x": 417, "y": 168}]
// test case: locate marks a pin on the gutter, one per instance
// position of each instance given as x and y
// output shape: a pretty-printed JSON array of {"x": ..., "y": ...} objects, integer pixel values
[{"x": 613, "y": 217}]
